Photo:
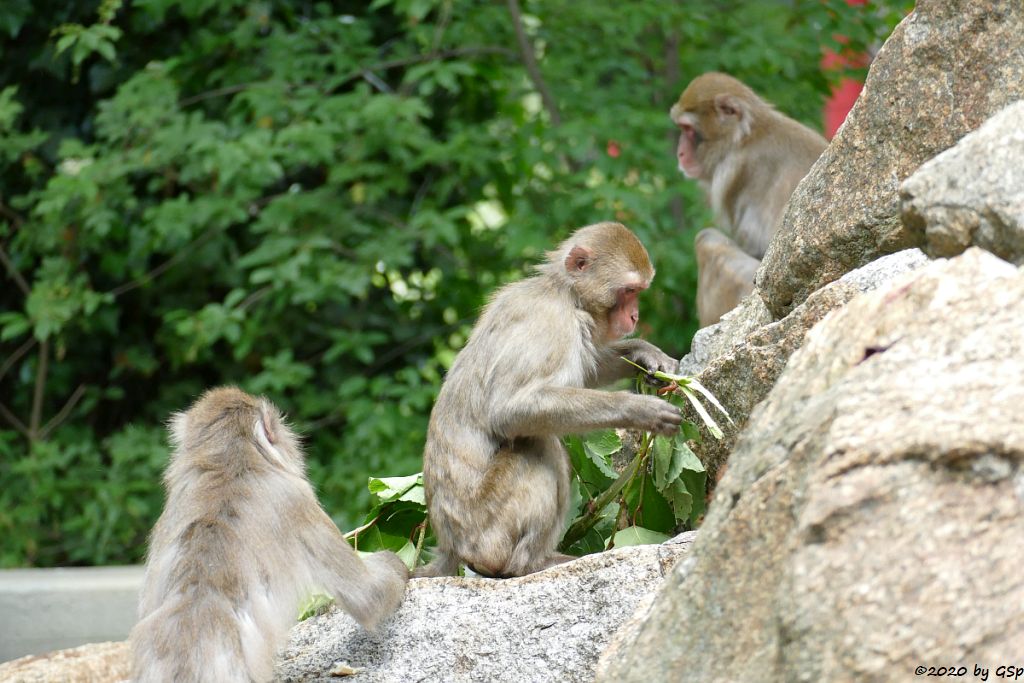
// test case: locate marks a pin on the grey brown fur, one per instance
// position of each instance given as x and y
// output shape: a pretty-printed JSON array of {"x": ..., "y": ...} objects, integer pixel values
[
  {"x": 748, "y": 158},
  {"x": 495, "y": 471},
  {"x": 241, "y": 541}
]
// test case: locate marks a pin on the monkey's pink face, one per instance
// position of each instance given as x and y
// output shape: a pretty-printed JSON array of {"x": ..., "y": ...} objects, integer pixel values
[
  {"x": 626, "y": 314},
  {"x": 686, "y": 151}
]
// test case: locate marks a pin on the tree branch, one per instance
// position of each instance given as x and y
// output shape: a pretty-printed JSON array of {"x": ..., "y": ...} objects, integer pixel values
[
  {"x": 40, "y": 389},
  {"x": 55, "y": 421},
  {"x": 218, "y": 92},
  {"x": 426, "y": 57},
  {"x": 13, "y": 272},
  {"x": 586, "y": 522},
  {"x": 15, "y": 422},
  {"x": 529, "y": 59},
  {"x": 359, "y": 72},
  {"x": 16, "y": 356},
  {"x": 11, "y": 215},
  {"x": 255, "y": 297},
  {"x": 163, "y": 267},
  {"x": 672, "y": 77}
]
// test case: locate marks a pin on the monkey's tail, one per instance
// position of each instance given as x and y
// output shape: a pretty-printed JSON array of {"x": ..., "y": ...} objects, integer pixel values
[{"x": 445, "y": 564}]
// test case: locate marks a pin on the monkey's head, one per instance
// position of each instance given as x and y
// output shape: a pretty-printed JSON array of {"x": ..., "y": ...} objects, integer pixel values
[
  {"x": 607, "y": 267},
  {"x": 223, "y": 420},
  {"x": 715, "y": 114}
]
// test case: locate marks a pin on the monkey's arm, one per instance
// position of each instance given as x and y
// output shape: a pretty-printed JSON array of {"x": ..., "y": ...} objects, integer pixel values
[
  {"x": 645, "y": 354},
  {"x": 369, "y": 588},
  {"x": 538, "y": 411}
]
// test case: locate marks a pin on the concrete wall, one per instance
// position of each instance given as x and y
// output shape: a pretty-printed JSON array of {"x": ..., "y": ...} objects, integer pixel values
[{"x": 50, "y": 609}]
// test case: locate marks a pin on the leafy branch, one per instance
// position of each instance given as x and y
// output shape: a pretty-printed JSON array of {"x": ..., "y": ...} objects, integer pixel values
[{"x": 585, "y": 523}]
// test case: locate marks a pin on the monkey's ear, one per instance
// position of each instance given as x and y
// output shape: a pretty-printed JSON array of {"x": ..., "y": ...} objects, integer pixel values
[
  {"x": 731, "y": 107},
  {"x": 728, "y": 105},
  {"x": 266, "y": 424},
  {"x": 578, "y": 259}
]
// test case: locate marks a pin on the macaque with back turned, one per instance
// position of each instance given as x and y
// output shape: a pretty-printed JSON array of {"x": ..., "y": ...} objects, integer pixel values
[
  {"x": 241, "y": 542},
  {"x": 495, "y": 471},
  {"x": 748, "y": 158}
]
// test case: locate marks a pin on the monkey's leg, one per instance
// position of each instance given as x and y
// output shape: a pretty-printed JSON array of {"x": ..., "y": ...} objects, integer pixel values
[
  {"x": 528, "y": 494},
  {"x": 725, "y": 275},
  {"x": 445, "y": 563}
]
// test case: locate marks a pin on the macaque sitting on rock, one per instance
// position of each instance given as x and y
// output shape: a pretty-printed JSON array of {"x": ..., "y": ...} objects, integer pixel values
[
  {"x": 241, "y": 542},
  {"x": 496, "y": 474}
]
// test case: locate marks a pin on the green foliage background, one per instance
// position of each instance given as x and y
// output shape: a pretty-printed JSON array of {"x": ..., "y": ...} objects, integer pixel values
[{"x": 312, "y": 200}]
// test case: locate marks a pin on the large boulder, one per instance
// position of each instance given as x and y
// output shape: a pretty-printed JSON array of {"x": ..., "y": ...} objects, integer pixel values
[
  {"x": 550, "y": 626},
  {"x": 946, "y": 68},
  {"x": 871, "y": 517},
  {"x": 973, "y": 193},
  {"x": 740, "y": 360},
  {"x": 93, "y": 663}
]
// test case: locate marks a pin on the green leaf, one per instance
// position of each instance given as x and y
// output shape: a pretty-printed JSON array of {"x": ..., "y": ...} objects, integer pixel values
[
  {"x": 695, "y": 483},
  {"x": 599, "y": 447},
  {"x": 604, "y": 443},
  {"x": 709, "y": 396},
  {"x": 709, "y": 421},
  {"x": 685, "y": 457},
  {"x": 690, "y": 431},
  {"x": 13, "y": 324},
  {"x": 666, "y": 467},
  {"x": 648, "y": 507},
  {"x": 680, "y": 498},
  {"x": 593, "y": 475},
  {"x": 388, "y": 489},
  {"x": 636, "y": 535},
  {"x": 315, "y": 605}
]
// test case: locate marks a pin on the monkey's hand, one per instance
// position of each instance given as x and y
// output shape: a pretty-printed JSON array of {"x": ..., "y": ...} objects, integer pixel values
[
  {"x": 648, "y": 356},
  {"x": 653, "y": 414}
]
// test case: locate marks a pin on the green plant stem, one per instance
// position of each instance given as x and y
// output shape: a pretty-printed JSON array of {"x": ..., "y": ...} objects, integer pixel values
[
  {"x": 585, "y": 523},
  {"x": 419, "y": 543},
  {"x": 354, "y": 534}
]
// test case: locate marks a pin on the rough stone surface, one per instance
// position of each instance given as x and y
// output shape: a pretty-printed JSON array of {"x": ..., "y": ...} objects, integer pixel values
[
  {"x": 94, "y": 663},
  {"x": 550, "y": 626},
  {"x": 947, "y": 68},
  {"x": 973, "y": 193},
  {"x": 747, "y": 359},
  {"x": 630, "y": 629},
  {"x": 872, "y": 515},
  {"x": 715, "y": 340}
]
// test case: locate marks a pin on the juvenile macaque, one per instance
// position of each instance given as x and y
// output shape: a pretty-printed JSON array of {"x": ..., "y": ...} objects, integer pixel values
[
  {"x": 241, "y": 541},
  {"x": 748, "y": 158},
  {"x": 496, "y": 474}
]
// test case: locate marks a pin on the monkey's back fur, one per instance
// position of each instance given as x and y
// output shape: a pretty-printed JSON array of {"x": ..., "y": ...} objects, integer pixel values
[{"x": 241, "y": 541}]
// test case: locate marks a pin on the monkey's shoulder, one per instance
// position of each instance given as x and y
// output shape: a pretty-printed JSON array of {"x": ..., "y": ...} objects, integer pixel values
[{"x": 534, "y": 303}]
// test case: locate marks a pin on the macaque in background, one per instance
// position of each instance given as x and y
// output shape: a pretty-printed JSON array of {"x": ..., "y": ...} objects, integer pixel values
[
  {"x": 241, "y": 542},
  {"x": 496, "y": 474},
  {"x": 748, "y": 158}
]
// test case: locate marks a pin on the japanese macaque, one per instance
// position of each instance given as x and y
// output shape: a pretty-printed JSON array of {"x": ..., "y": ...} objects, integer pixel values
[
  {"x": 241, "y": 542},
  {"x": 496, "y": 474},
  {"x": 748, "y": 158}
]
